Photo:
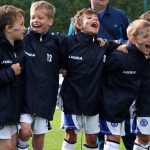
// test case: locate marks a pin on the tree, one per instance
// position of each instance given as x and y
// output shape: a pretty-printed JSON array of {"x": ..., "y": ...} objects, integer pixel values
[{"x": 66, "y": 9}]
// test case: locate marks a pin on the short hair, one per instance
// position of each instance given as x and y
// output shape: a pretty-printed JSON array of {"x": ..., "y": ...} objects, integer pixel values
[
  {"x": 78, "y": 18},
  {"x": 145, "y": 16},
  {"x": 8, "y": 15},
  {"x": 50, "y": 9},
  {"x": 133, "y": 28}
]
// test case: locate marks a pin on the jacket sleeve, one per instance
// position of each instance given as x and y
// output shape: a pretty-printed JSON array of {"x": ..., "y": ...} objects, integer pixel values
[
  {"x": 62, "y": 42},
  {"x": 111, "y": 46},
  {"x": 6, "y": 73},
  {"x": 113, "y": 61}
]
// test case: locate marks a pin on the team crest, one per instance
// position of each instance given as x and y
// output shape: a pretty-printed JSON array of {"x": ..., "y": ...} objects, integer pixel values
[
  {"x": 114, "y": 124},
  {"x": 143, "y": 122}
]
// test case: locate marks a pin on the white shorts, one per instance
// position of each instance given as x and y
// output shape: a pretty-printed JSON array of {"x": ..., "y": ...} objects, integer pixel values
[
  {"x": 7, "y": 131},
  {"x": 140, "y": 125},
  {"x": 110, "y": 128},
  {"x": 89, "y": 124},
  {"x": 39, "y": 125}
]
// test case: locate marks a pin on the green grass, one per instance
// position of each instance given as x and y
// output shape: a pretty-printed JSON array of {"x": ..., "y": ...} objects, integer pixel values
[{"x": 54, "y": 138}]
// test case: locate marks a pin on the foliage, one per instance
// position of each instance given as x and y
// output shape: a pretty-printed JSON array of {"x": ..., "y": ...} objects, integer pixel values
[{"x": 66, "y": 9}]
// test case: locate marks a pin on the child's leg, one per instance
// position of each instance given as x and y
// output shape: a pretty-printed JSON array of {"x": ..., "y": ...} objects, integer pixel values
[
  {"x": 91, "y": 128},
  {"x": 6, "y": 144},
  {"x": 70, "y": 124},
  {"x": 25, "y": 131},
  {"x": 142, "y": 142},
  {"x": 143, "y": 133},
  {"x": 91, "y": 140},
  {"x": 112, "y": 142},
  {"x": 8, "y": 137},
  {"x": 69, "y": 140},
  {"x": 14, "y": 141},
  {"x": 38, "y": 141},
  {"x": 113, "y": 131}
]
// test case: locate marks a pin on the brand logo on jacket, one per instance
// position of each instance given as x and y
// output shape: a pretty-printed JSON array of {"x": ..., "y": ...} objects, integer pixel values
[
  {"x": 6, "y": 62},
  {"x": 75, "y": 57},
  {"x": 29, "y": 54},
  {"x": 129, "y": 72}
]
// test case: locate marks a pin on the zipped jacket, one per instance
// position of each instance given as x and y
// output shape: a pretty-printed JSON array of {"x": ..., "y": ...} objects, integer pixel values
[
  {"x": 11, "y": 86},
  {"x": 80, "y": 90},
  {"x": 42, "y": 64},
  {"x": 123, "y": 72}
]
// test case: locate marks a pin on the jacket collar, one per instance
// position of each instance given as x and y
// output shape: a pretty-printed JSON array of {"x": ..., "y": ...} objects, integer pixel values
[{"x": 84, "y": 37}]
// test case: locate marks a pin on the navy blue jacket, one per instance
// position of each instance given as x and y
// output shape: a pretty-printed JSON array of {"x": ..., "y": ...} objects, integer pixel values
[
  {"x": 116, "y": 21},
  {"x": 143, "y": 101},
  {"x": 42, "y": 64},
  {"x": 11, "y": 86},
  {"x": 80, "y": 89},
  {"x": 123, "y": 73}
]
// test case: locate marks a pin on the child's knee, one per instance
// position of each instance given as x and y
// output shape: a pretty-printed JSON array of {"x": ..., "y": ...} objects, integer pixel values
[{"x": 25, "y": 133}]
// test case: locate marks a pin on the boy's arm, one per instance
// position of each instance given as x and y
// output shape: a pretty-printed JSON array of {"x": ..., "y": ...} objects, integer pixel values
[
  {"x": 113, "y": 61},
  {"x": 7, "y": 74},
  {"x": 62, "y": 44}
]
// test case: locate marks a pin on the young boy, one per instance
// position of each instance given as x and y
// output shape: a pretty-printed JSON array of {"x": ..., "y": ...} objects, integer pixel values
[
  {"x": 141, "y": 123},
  {"x": 123, "y": 76},
  {"x": 42, "y": 64},
  {"x": 80, "y": 91},
  {"x": 12, "y": 29}
]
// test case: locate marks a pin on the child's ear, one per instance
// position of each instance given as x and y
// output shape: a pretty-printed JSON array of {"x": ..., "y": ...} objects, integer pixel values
[
  {"x": 51, "y": 21},
  {"x": 132, "y": 40},
  {"x": 79, "y": 26},
  {"x": 8, "y": 28}
]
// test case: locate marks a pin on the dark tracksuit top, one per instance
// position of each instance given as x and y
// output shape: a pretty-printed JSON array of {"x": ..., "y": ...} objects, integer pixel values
[
  {"x": 80, "y": 89},
  {"x": 143, "y": 101},
  {"x": 123, "y": 73},
  {"x": 42, "y": 64},
  {"x": 11, "y": 86}
]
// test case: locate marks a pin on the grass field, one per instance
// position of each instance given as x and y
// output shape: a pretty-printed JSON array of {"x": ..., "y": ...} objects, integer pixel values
[{"x": 54, "y": 137}]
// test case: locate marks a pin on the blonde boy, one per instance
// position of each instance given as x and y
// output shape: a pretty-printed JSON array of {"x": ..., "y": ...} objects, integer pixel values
[
  {"x": 42, "y": 64},
  {"x": 141, "y": 122},
  {"x": 123, "y": 77}
]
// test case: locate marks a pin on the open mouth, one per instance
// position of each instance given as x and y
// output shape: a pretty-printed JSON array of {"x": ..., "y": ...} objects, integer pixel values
[
  {"x": 94, "y": 25},
  {"x": 36, "y": 26},
  {"x": 147, "y": 46}
]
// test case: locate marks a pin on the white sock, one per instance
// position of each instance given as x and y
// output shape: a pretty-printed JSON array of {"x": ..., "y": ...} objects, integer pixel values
[
  {"x": 67, "y": 146},
  {"x": 110, "y": 145},
  {"x": 138, "y": 146},
  {"x": 22, "y": 145}
]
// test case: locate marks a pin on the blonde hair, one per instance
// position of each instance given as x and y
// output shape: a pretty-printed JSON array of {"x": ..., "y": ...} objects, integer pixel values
[
  {"x": 133, "y": 28},
  {"x": 78, "y": 18},
  {"x": 50, "y": 9},
  {"x": 145, "y": 16},
  {"x": 8, "y": 15}
]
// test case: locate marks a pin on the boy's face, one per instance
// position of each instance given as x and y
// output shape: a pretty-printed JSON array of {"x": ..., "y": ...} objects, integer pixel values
[
  {"x": 18, "y": 29},
  {"x": 142, "y": 40},
  {"x": 39, "y": 21},
  {"x": 98, "y": 3},
  {"x": 90, "y": 24}
]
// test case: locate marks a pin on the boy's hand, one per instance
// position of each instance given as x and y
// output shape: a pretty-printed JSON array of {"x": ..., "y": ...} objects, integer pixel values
[
  {"x": 123, "y": 48},
  {"x": 63, "y": 72},
  {"x": 147, "y": 56},
  {"x": 17, "y": 68},
  {"x": 101, "y": 41}
]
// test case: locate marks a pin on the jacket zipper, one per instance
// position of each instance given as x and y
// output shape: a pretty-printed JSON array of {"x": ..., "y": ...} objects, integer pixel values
[{"x": 15, "y": 55}]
